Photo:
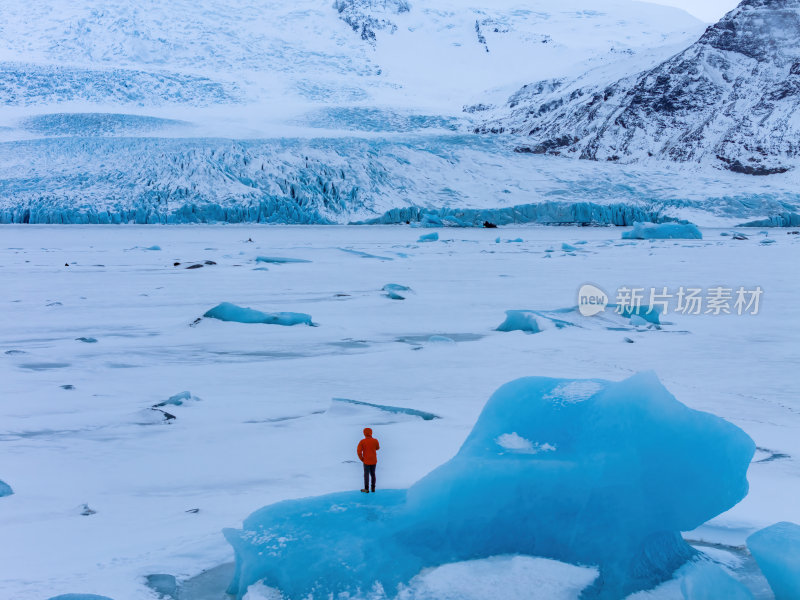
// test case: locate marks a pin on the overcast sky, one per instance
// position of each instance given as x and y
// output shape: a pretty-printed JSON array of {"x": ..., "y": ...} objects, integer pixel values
[{"x": 705, "y": 10}]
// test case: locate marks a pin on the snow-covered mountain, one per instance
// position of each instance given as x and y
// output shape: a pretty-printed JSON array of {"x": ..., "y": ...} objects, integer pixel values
[
  {"x": 730, "y": 99},
  {"x": 146, "y": 52},
  {"x": 321, "y": 111}
]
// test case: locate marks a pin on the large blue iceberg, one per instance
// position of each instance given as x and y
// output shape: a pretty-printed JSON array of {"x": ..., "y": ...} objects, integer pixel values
[
  {"x": 590, "y": 472},
  {"x": 777, "y": 551}
]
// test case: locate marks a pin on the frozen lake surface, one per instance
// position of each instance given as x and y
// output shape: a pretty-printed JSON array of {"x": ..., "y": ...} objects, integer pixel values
[{"x": 100, "y": 324}]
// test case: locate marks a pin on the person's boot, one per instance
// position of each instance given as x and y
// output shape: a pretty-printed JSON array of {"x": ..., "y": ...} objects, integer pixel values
[
  {"x": 366, "y": 491},
  {"x": 373, "y": 489}
]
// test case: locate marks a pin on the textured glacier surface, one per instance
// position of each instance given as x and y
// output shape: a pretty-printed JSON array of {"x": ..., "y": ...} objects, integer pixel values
[
  {"x": 777, "y": 550},
  {"x": 606, "y": 478}
]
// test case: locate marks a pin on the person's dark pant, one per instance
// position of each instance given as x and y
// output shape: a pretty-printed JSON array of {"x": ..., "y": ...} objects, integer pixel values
[{"x": 369, "y": 472}]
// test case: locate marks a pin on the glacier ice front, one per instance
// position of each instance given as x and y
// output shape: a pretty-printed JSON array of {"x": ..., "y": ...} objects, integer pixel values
[{"x": 600, "y": 473}]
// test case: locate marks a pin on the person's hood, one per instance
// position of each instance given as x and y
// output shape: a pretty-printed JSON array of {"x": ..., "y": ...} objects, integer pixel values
[{"x": 367, "y": 432}]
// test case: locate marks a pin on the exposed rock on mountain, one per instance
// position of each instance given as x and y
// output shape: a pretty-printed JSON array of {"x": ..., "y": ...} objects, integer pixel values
[{"x": 730, "y": 99}]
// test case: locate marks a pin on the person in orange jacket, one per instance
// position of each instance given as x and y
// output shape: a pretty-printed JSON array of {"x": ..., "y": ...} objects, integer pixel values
[{"x": 368, "y": 454}]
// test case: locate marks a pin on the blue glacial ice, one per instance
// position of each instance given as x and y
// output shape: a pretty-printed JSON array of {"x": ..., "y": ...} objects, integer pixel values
[
  {"x": 520, "y": 320},
  {"x": 240, "y": 314},
  {"x": 599, "y": 473},
  {"x": 80, "y": 597},
  {"x": 429, "y": 237},
  {"x": 5, "y": 489},
  {"x": 280, "y": 260},
  {"x": 395, "y": 291},
  {"x": 777, "y": 551},
  {"x": 177, "y": 399},
  {"x": 663, "y": 231}
]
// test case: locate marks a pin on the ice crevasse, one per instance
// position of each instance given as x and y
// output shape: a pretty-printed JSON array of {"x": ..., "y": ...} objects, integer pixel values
[{"x": 600, "y": 473}]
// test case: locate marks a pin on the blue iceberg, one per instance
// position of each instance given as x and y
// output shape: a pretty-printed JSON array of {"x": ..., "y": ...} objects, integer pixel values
[
  {"x": 520, "y": 320},
  {"x": 280, "y": 260},
  {"x": 240, "y": 314},
  {"x": 395, "y": 291},
  {"x": 588, "y": 472},
  {"x": 777, "y": 551},
  {"x": 80, "y": 597},
  {"x": 5, "y": 489},
  {"x": 663, "y": 231},
  {"x": 429, "y": 237}
]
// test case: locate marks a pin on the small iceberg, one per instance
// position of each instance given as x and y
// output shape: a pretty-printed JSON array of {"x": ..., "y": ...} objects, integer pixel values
[
  {"x": 239, "y": 314},
  {"x": 428, "y": 237},
  {"x": 520, "y": 320},
  {"x": 177, "y": 399},
  {"x": 663, "y": 231},
  {"x": 280, "y": 260},
  {"x": 5, "y": 489},
  {"x": 395, "y": 291}
]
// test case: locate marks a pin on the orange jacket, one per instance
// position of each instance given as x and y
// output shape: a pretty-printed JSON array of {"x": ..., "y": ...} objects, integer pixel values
[{"x": 368, "y": 448}]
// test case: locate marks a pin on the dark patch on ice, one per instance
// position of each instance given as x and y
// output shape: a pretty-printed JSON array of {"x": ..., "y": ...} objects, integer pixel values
[
  {"x": 14, "y": 352},
  {"x": 427, "y": 416},
  {"x": 283, "y": 419},
  {"x": 771, "y": 455},
  {"x": 86, "y": 340},
  {"x": 44, "y": 366},
  {"x": 261, "y": 354},
  {"x": 195, "y": 266},
  {"x": 86, "y": 511},
  {"x": 115, "y": 365},
  {"x": 456, "y": 337},
  {"x": 193, "y": 511},
  {"x": 209, "y": 262},
  {"x": 166, "y": 586},
  {"x": 67, "y": 386},
  {"x": 280, "y": 260},
  {"x": 364, "y": 254},
  {"x": 55, "y": 303},
  {"x": 208, "y": 585},
  {"x": 351, "y": 344}
]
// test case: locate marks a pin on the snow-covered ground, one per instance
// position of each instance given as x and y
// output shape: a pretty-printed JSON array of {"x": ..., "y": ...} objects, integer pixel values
[{"x": 261, "y": 425}]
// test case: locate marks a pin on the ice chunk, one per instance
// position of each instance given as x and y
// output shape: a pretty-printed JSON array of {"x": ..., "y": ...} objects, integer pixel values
[
  {"x": 86, "y": 340},
  {"x": 777, "y": 551},
  {"x": 697, "y": 580},
  {"x": 153, "y": 248},
  {"x": 631, "y": 468},
  {"x": 395, "y": 291},
  {"x": 441, "y": 339},
  {"x": 280, "y": 260},
  {"x": 429, "y": 237},
  {"x": 5, "y": 489},
  {"x": 663, "y": 231},
  {"x": 520, "y": 320},
  {"x": 568, "y": 247},
  {"x": 230, "y": 312},
  {"x": 177, "y": 399},
  {"x": 80, "y": 597}
]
